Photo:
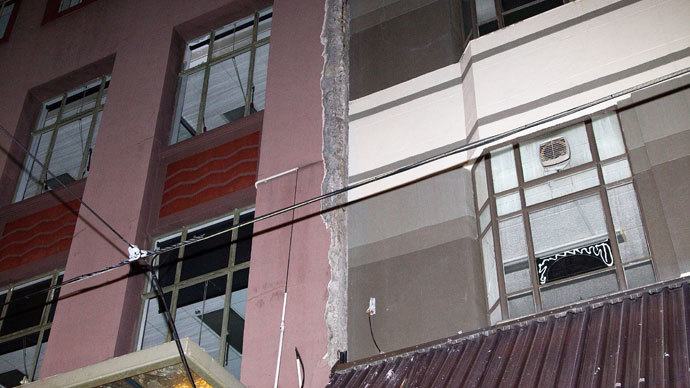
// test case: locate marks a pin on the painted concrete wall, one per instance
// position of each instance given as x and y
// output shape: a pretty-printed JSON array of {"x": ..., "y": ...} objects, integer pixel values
[
  {"x": 656, "y": 125},
  {"x": 291, "y": 138},
  {"x": 555, "y": 61}
]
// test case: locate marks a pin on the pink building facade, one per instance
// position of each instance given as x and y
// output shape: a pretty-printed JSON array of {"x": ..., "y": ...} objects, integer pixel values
[{"x": 147, "y": 185}]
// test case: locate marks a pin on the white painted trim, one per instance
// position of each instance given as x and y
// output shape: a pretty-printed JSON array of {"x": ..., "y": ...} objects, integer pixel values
[{"x": 264, "y": 180}]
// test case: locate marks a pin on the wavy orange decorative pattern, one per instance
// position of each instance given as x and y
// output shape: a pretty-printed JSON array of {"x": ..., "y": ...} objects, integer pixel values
[
  {"x": 210, "y": 174},
  {"x": 38, "y": 235}
]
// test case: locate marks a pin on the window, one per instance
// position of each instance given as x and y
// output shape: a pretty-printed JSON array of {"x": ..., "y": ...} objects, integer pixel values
[
  {"x": 67, "y": 4},
  {"x": 481, "y": 17},
  {"x": 223, "y": 77},
  {"x": 205, "y": 287},
  {"x": 559, "y": 220},
  {"x": 25, "y": 320},
  {"x": 64, "y": 139},
  {"x": 8, "y": 12}
]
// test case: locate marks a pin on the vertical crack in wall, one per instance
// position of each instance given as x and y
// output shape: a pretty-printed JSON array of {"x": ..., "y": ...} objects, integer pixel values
[{"x": 334, "y": 91}]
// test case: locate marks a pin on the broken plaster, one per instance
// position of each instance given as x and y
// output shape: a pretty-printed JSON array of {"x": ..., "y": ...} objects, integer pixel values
[{"x": 335, "y": 95}]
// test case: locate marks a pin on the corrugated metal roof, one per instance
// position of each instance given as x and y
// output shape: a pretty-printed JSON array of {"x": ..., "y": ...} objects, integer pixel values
[{"x": 633, "y": 339}]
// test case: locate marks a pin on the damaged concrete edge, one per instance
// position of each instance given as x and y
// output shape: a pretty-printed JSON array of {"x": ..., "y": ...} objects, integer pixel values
[{"x": 335, "y": 96}]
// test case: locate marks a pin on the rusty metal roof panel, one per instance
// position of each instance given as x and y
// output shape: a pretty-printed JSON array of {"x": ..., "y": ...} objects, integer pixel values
[{"x": 634, "y": 339}]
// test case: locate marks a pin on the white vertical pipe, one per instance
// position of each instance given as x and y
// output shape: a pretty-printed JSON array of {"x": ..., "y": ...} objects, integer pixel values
[{"x": 280, "y": 346}]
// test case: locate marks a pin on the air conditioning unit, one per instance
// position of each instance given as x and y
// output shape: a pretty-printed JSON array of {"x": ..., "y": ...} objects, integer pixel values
[{"x": 554, "y": 151}]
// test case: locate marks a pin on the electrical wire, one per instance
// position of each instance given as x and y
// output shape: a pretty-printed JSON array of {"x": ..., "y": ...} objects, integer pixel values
[
  {"x": 454, "y": 151},
  {"x": 300, "y": 368},
  {"x": 371, "y": 330},
  {"x": 170, "y": 321},
  {"x": 65, "y": 186},
  {"x": 363, "y": 182}
]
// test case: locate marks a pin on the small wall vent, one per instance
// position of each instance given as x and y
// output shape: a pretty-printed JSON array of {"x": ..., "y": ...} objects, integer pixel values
[{"x": 554, "y": 151}]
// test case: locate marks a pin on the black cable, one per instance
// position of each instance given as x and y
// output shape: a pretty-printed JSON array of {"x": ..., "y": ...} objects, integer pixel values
[
  {"x": 171, "y": 323},
  {"x": 463, "y": 148},
  {"x": 301, "y": 365},
  {"x": 65, "y": 186},
  {"x": 292, "y": 225},
  {"x": 454, "y": 151},
  {"x": 371, "y": 330}
]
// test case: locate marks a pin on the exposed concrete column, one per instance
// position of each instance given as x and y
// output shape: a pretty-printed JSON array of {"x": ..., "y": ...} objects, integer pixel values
[
  {"x": 97, "y": 319},
  {"x": 335, "y": 89}
]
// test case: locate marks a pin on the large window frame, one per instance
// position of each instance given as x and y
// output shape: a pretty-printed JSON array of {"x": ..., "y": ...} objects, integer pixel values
[
  {"x": 181, "y": 128},
  {"x": 172, "y": 291},
  {"x": 34, "y": 179},
  {"x": 488, "y": 218},
  {"x": 40, "y": 330},
  {"x": 7, "y": 17},
  {"x": 497, "y": 14}
]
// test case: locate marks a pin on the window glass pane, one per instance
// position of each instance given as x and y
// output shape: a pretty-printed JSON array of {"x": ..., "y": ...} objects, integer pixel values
[
  {"x": 630, "y": 235},
  {"x": 514, "y": 254},
  {"x": 486, "y": 9},
  {"x": 25, "y": 310},
  {"x": 484, "y": 218},
  {"x": 5, "y": 17},
  {"x": 227, "y": 85},
  {"x": 93, "y": 144},
  {"x": 233, "y": 36},
  {"x": 607, "y": 133},
  {"x": 81, "y": 100},
  {"x": 639, "y": 274},
  {"x": 207, "y": 255},
  {"x": 154, "y": 328},
  {"x": 529, "y": 11},
  {"x": 199, "y": 314},
  {"x": 615, "y": 171},
  {"x": 29, "y": 183},
  {"x": 496, "y": 316},
  {"x": 54, "y": 300},
  {"x": 50, "y": 113},
  {"x": 568, "y": 225},
  {"x": 41, "y": 354},
  {"x": 508, "y": 203},
  {"x": 480, "y": 183},
  {"x": 190, "y": 98},
  {"x": 561, "y": 186},
  {"x": 236, "y": 318},
  {"x": 488, "y": 27},
  {"x": 576, "y": 138},
  {"x": 16, "y": 358},
  {"x": 197, "y": 52},
  {"x": 466, "y": 18},
  {"x": 167, "y": 262},
  {"x": 105, "y": 90},
  {"x": 503, "y": 169},
  {"x": 490, "y": 268},
  {"x": 259, "y": 82},
  {"x": 67, "y": 4},
  {"x": 579, "y": 289},
  {"x": 243, "y": 251},
  {"x": 70, "y": 144},
  {"x": 265, "y": 20},
  {"x": 521, "y": 305}
]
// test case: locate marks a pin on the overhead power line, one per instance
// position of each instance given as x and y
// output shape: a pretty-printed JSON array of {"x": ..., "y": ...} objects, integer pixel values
[
  {"x": 17, "y": 142},
  {"x": 363, "y": 182}
]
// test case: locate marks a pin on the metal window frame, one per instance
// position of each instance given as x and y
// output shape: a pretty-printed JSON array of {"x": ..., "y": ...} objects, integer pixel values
[
  {"x": 43, "y": 326},
  {"x": 499, "y": 16},
  {"x": 179, "y": 285},
  {"x": 206, "y": 68},
  {"x": 53, "y": 130},
  {"x": 600, "y": 190}
]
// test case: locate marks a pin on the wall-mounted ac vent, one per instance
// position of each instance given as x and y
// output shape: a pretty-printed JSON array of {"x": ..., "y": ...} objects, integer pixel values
[{"x": 554, "y": 151}]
